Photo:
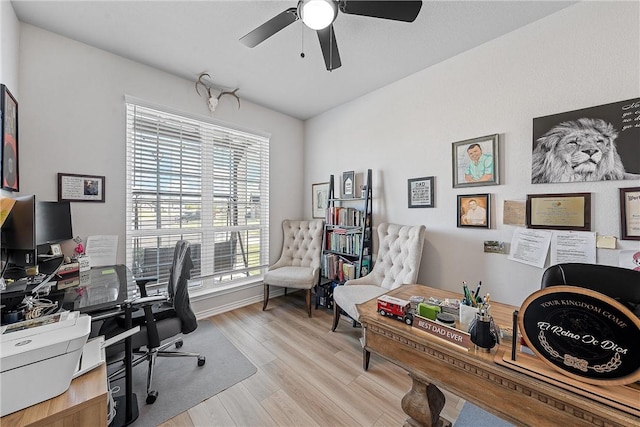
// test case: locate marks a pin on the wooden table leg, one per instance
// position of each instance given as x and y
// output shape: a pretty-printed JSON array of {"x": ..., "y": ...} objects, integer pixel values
[{"x": 423, "y": 403}]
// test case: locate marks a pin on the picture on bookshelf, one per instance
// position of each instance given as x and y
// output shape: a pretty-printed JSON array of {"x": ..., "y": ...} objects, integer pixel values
[
  {"x": 348, "y": 184},
  {"x": 420, "y": 192},
  {"x": 319, "y": 199}
]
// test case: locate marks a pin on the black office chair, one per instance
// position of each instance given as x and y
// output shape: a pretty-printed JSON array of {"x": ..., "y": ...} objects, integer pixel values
[
  {"x": 621, "y": 284},
  {"x": 161, "y": 318}
]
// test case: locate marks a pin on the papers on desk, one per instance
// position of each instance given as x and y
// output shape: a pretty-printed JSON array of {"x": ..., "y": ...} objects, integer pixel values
[{"x": 102, "y": 250}]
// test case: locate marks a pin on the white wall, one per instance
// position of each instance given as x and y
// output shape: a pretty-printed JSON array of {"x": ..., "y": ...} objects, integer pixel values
[
  {"x": 9, "y": 42},
  {"x": 582, "y": 56},
  {"x": 72, "y": 120}
]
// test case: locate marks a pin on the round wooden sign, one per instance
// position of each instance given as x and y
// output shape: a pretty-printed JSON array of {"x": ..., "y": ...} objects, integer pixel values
[{"x": 582, "y": 333}]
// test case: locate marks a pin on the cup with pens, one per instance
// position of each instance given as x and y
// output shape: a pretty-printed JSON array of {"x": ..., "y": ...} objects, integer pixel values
[
  {"x": 476, "y": 312},
  {"x": 468, "y": 309}
]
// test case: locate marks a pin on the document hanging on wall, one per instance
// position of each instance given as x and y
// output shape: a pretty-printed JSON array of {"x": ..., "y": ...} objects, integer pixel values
[{"x": 80, "y": 188}]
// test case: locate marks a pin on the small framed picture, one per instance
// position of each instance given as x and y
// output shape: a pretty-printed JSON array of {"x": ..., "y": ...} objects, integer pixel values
[
  {"x": 475, "y": 162},
  {"x": 348, "y": 184},
  {"x": 319, "y": 199},
  {"x": 630, "y": 213},
  {"x": 80, "y": 188},
  {"x": 56, "y": 249},
  {"x": 420, "y": 192},
  {"x": 474, "y": 210}
]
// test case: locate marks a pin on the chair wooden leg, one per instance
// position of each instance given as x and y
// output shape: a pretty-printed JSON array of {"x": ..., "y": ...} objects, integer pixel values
[
  {"x": 265, "y": 299},
  {"x": 366, "y": 355},
  {"x": 336, "y": 316},
  {"x": 308, "y": 298}
]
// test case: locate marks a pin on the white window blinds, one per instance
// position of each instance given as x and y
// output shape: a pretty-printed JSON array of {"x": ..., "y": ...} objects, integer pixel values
[{"x": 202, "y": 182}]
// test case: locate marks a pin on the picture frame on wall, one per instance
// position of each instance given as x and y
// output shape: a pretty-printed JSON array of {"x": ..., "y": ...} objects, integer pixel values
[
  {"x": 474, "y": 210},
  {"x": 630, "y": 213},
  {"x": 476, "y": 162},
  {"x": 80, "y": 188},
  {"x": 420, "y": 192},
  {"x": 562, "y": 211},
  {"x": 319, "y": 199},
  {"x": 598, "y": 143},
  {"x": 9, "y": 171},
  {"x": 348, "y": 184}
]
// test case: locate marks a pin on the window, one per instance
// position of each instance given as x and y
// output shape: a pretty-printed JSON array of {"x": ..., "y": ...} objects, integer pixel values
[{"x": 199, "y": 181}]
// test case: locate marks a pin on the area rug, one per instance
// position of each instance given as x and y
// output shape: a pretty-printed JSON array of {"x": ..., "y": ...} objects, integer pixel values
[
  {"x": 181, "y": 384},
  {"x": 473, "y": 416}
]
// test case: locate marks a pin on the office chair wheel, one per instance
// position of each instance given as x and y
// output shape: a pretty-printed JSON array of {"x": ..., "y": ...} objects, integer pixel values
[
  {"x": 201, "y": 360},
  {"x": 151, "y": 397},
  {"x": 179, "y": 343}
]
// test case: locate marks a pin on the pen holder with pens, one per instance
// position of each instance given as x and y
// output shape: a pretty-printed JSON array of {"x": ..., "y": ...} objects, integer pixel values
[{"x": 484, "y": 332}]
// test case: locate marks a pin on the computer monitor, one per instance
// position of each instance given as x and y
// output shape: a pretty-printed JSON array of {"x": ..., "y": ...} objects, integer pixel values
[
  {"x": 19, "y": 232},
  {"x": 53, "y": 222}
]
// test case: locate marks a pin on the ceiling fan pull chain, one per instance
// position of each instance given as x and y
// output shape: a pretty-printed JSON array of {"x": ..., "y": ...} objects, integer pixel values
[{"x": 302, "y": 42}]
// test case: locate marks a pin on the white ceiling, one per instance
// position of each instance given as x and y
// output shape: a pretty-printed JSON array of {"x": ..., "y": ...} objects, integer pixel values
[{"x": 186, "y": 38}]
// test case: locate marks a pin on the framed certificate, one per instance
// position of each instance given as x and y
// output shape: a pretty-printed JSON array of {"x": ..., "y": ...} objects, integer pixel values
[
  {"x": 630, "y": 213},
  {"x": 559, "y": 211}
]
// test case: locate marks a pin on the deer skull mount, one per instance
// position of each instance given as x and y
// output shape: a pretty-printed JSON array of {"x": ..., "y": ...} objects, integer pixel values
[{"x": 213, "y": 101}]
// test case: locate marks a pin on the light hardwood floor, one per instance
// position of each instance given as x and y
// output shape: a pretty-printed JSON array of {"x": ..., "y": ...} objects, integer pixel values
[{"x": 307, "y": 375}]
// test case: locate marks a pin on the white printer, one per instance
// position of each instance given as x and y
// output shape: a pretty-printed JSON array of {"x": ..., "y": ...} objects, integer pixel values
[{"x": 38, "y": 358}]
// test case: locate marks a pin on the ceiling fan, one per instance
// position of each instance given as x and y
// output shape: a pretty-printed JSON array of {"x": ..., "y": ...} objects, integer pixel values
[{"x": 320, "y": 14}]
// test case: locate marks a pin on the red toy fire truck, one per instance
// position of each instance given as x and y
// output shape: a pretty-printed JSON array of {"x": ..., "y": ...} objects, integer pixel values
[{"x": 395, "y": 307}]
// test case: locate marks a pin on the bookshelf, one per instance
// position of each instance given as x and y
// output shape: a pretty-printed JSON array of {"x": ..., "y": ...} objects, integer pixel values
[{"x": 347, "y": 243}]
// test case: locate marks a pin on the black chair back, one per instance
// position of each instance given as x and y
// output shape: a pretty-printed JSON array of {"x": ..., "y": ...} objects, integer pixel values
[
  {"x": 178, "y": 289},
  {"x": 621, "y": 284}
]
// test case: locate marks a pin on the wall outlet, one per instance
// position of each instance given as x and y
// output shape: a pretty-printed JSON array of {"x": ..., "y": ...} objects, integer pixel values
[{"x": 495, "y": 247}]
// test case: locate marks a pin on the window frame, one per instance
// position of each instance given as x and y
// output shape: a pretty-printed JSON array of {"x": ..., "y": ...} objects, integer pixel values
[{"x": 213, "y": 146}]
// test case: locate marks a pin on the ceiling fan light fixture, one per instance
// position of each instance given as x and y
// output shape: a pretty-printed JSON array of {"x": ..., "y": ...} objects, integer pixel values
[{"x": 317, "y": 14}]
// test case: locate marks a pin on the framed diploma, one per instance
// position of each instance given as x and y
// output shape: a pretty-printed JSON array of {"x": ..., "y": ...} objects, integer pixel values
[
  {"x": 630, "y": 213},
  {"x": 559, "y": 211}
]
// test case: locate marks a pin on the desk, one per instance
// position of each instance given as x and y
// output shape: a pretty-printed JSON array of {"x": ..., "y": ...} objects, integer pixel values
[
  {"x": 473, "y": 375},
  {"x": 83, "y": 404}
]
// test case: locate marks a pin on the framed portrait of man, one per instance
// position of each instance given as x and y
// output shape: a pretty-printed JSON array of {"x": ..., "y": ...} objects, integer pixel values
[
  {"x": 474, "y": 210},
  {"x": 476, "y": 162}
]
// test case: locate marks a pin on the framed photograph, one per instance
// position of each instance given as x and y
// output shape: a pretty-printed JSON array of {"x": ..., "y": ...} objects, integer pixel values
[
  {"x": 348, "y": 184},
  {"x": 570, "y": 211},
  {"x": 598, "y": 143},
  {"x": 80, "y": 188},
  {"x": 630, "y": 213},
  {"x": 420, "y": 192},
  {"x": 319, "y": 199},
  {"x": 56, "y": 249},
  {"x": 476, "y": 162},
  {"x": 474, "y": 210},
  {"x": 9, "y": 175}
]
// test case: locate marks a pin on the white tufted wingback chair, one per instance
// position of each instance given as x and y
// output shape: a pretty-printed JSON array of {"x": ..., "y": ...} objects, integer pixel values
[
  {"x": 398, "y": 263},
  {"x": 299, "y": 263}
]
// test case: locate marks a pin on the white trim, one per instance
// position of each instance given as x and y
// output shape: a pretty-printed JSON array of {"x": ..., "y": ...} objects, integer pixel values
[
  {"x": 129, "y": 99},
  {"x": 218, "y": 309}
]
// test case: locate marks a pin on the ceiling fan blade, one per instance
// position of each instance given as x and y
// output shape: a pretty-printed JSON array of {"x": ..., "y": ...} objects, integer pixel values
[
  {"x": 270, "y": 27},
  {"x": 399, "y": 10},
  {"x": 329, "y": 48}
]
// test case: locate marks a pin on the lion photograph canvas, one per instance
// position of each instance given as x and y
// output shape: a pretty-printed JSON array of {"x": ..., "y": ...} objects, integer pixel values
[{"x": 592, "y": 144}]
